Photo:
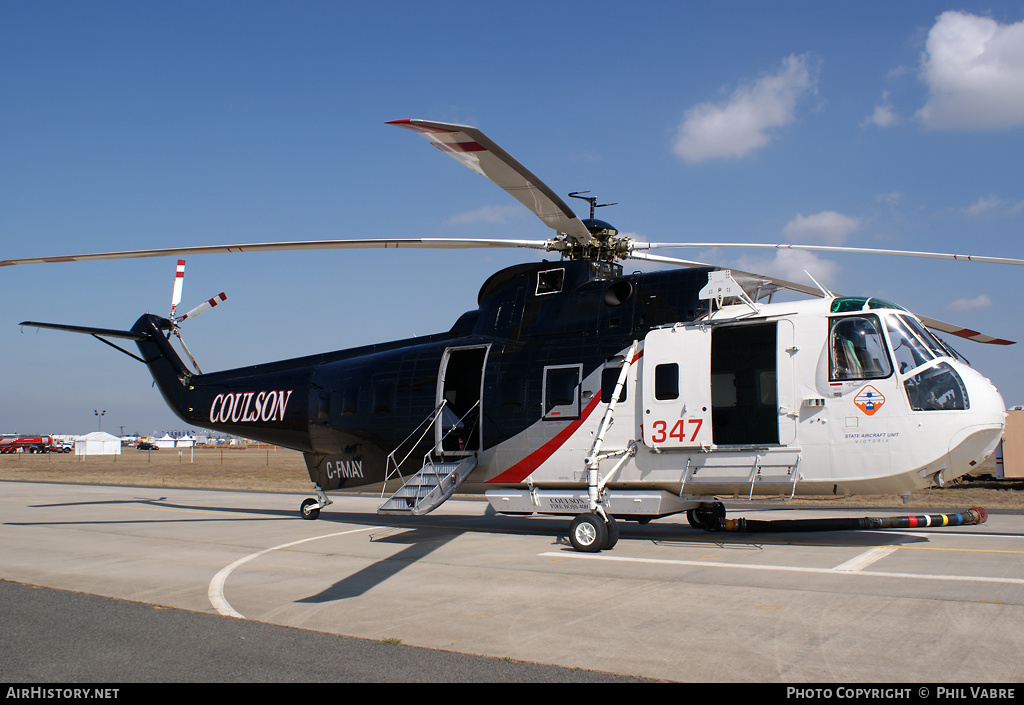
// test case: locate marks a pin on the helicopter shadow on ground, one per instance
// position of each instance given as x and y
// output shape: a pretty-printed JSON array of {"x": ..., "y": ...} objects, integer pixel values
[
  {"x": 234, "y": 513},
  {"x": 419, "y": 543},
  {"x": 422, "y": 536},
  {"x": 427, "y": 529}
]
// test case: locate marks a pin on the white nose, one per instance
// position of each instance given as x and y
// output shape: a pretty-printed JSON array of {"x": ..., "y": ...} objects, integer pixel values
[{"x": 985, "y": 420}]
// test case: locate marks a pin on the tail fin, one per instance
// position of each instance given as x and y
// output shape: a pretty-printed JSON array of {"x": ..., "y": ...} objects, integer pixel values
[{"x": 170, "y": 373}]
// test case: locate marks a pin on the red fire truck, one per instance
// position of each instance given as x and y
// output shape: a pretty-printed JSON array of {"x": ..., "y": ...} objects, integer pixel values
[{"x": 39, "y": 444}]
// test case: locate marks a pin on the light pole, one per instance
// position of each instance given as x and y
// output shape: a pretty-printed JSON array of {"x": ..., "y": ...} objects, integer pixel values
[{"x": 99, "y": 418}]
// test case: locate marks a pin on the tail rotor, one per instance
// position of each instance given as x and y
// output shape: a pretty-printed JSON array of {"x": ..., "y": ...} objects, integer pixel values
[
  {"x": 203, "y": 307},
  {"x": 179, "y": 278}
]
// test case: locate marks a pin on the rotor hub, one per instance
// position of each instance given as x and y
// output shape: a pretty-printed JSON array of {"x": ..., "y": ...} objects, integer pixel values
[
  {"x": 600, "y": 230},
  {"x": 606, "y": 247}
]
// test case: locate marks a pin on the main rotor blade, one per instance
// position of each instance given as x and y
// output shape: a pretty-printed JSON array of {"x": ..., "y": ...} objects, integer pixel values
[
  {"x": 962, "y": 332},
  {"x": 934, "y": 324},
  {"x": 408, "y": 243},
  {"x": 781, "y": 283},
  {"x": 470, "y": 147},
  {"x": 826, "y": 248}
]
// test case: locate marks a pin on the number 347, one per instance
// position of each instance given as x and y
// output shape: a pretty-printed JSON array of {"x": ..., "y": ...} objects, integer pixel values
[{"x": 660, "y": 432}]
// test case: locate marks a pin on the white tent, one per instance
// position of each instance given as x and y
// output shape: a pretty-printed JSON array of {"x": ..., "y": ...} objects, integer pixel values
[
  {"x": 166, "y": 442},
  {"x": 97, "y": 443}
]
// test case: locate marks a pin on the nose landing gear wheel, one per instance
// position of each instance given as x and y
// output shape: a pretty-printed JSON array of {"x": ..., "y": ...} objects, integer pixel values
[{"x": 589, "y": 533}]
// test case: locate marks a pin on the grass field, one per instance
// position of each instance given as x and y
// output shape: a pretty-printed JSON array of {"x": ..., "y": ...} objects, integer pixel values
[
  {"x": 270, "y": 469},
  {"x": 258, "y": 468}
]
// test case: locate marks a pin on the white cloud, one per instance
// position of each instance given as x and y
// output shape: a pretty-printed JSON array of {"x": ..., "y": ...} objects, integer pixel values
[
  {"x": 890, "y": 199},
  {"x": 995, "y": 205},
  {"x": 794, "y": 265},
  {"x": 884, "y": 115},
  {"x": 977, "y": 302},
  {"x": 487, "y": 214},
  {"x": 746, "y": 121},
  {"x": 825, "y": 228},
  {"x": 974, "y": 69},
  {"x": 983, "y": 205}
]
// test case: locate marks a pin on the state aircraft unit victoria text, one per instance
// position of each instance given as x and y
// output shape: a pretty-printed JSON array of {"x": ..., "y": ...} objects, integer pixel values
[{"x": 575, "y": 388}]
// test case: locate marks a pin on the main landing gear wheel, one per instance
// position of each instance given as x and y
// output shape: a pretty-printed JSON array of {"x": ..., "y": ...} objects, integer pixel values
[
  {"x": 708, "y": 516},
  {"x": 613, "y": 533},
  {"x": 589, "y": 533},
  {"x": 310, "y": 508}
]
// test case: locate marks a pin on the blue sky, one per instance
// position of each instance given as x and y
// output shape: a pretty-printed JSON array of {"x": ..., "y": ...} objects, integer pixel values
[{"x": 128, "y": 125}]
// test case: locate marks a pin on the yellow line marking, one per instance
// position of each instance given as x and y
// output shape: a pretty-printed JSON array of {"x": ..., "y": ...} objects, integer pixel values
[{"x": 974, "y": 550}]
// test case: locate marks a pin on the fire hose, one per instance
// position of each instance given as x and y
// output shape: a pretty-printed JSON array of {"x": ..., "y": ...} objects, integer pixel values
[{"x": 976, "y": 515}]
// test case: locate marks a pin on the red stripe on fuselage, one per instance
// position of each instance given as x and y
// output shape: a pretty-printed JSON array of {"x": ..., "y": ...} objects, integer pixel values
[{"x": 525, "y": 467}]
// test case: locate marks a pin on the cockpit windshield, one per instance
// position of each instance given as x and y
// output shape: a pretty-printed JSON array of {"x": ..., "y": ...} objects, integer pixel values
[
  {"x": 912, "y": 344},
  {"x": 858, "y": 351},
  {"x": 910, "y": 351}
]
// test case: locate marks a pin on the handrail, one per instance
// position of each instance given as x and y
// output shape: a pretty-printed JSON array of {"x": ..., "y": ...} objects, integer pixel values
[
  {"x": 391, "y": 465},
  {"x": 593, "y": 459},
  {"x": 455, "y": 426},
  {"x": 394, "y": 467}
]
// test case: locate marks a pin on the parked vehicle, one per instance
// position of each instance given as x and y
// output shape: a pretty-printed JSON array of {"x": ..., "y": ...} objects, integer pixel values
[{"x": 39, "y": 444}]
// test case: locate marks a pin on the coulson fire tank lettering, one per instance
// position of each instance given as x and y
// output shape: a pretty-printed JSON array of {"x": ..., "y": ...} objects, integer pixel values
[{"x": 249, "y": 407}]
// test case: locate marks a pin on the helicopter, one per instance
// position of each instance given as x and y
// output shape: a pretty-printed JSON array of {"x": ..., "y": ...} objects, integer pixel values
[{"x": 577, "y": 389}]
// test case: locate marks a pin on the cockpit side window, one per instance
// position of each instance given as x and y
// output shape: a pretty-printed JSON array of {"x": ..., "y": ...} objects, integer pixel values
[
  {"x": 857, "y": 349},
  {"x": 550, "y": 281},
  {"x": 937, "y": 388}
]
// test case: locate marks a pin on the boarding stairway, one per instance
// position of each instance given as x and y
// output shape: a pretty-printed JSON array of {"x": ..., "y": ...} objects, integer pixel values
[
  {"x": 436, "y": 480},
  {"x": 428, "y": 488}
]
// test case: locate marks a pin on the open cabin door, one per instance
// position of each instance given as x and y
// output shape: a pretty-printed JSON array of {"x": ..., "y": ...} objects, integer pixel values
[
  {"x": 460, "y": 386},
  {"x": 744, "y": 384},
  {"x": 727, "y": 385}
]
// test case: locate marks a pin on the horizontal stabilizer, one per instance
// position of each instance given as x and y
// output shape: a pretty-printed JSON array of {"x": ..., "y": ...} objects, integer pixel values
[{"x": 105, "y": 332}]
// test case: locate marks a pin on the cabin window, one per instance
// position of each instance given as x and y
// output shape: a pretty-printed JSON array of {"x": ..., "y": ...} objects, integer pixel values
[
  {"x": 723, "y": 390},
  {"x": 562, "y": 391},
  {"x": 349, "y": 401},
  {"x": 383, "y": 396},
  {"x": 666, "y": 381},
  {"x": 857, "y": 349},
  {"x": 511, "y": 394},
  {"x": 609, "y": 378},
  {"x": 550, "y": 281},
  {"x": 767, "y": 388}
]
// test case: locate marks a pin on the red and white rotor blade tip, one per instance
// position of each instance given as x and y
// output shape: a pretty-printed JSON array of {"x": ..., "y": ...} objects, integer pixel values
[
  {"x": 179, "y": 278},
  {"x": 205, "y": 306},
  {"x": 470, "y": 147}
]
